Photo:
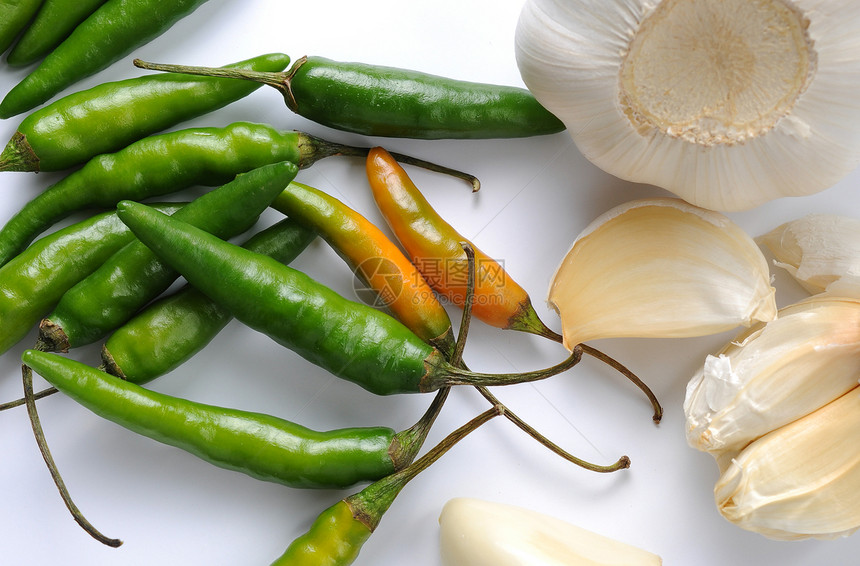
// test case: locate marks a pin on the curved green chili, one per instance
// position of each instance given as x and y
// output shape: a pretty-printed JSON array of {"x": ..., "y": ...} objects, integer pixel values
[
  {"x": 133, "y": 276},
  {"x": 336, "y": 536},
  {"x": 33, "y": 282},
  {"x": 259, "y": 445},
  {"x": 171, "y": 330},
  {"x": 351, "y": 340},
  {"x": 109, "y": 34},
  {"x": 168, "y": 162},
  {"x": 110, "y": 116},
  {"x": 17, "y": 14},
  {"x": 386, "y": 101},
  {"x": 54, "y": 22}
]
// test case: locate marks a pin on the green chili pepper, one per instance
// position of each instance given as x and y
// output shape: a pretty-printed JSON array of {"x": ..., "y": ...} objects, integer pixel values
[
  {"x": 17, "y": 14},
  {"x": 374, "y": 259},
  {"x": 34, "y": 281},
  {"x": 110, "y": 116},
  {"x": 158, "y": 165},
  {"x": 133, "y": 276},
  {"x": 109, "y": 34},
  {"x": 54, "y": 22},
  {"x": 262, "y": 446},
  {"x": 338, "y": 533},
  {"x": 353, "y": 341},
  {"x": 386, "y": 101},
  {"x": 173, "y": 329}
]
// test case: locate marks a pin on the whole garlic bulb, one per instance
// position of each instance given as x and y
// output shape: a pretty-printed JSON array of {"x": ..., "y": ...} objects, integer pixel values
[{"x": 726, "y": 103}]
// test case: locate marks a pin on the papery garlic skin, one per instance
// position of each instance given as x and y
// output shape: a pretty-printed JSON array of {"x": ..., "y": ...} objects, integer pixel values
[
  {"x": 660, "y": 268},
  {"x": 819, "y": 250},
  {"x": 801, "y": 480},
  {"x": 481, "y": 533},
  {"x": 774, "y": 374},
  {"x": 726, "y": 103}
]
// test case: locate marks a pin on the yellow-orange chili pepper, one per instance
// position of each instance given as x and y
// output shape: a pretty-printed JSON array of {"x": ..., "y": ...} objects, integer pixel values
[{"x": 434, "y": 246}]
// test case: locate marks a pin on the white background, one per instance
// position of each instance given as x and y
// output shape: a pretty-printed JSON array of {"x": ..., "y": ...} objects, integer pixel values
[{"x": 538, "y": 193}]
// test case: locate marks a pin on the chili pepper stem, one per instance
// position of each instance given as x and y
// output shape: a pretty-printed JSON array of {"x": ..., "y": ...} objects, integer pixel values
[
  {"x": 18, "y": 155},
  {"x": 655, "y": 403},
  {"x": 36, "y": 424},
  {"x": 408, "y": 443},
  {"x": 369, "y": 505},
  {"x": 51, "y": 338}
]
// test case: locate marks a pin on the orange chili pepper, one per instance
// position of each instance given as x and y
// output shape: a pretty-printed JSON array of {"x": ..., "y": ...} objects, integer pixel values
[
  {"x": 434, "y": 246},
  {"x": 374, "y": 258}
]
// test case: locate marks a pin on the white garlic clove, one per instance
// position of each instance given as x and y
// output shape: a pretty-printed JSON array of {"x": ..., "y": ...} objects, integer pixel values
[
  {"x": 726, "y": 103},
  {"x": 819, "y": 250},
  {"x": 801, "y": 480},
  {"x": 660, "y": 268},
  {"x": 774, "y": 374},
  {"x": 481, "y": 533}
]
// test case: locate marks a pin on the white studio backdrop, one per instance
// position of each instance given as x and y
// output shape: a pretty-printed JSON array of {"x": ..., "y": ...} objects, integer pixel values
[{"x": 538, "y": 193}]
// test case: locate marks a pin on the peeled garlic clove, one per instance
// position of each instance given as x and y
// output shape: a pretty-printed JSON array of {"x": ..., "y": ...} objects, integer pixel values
[
  {"x": 660, "y": 268},
  {"x": 801, "y": 480},
  {"x": 480, "y": 533},
  {"x": 818, "y": 250},
  {"x": 774, "y": 374},
  {"x": 726, "y": 103}
]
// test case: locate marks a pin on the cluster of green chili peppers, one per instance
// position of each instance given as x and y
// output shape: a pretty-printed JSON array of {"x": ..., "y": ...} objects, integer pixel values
[{"x": 103, "y": 279}]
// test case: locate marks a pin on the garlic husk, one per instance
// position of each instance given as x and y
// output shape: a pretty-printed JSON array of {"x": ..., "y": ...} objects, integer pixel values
[
  {"x": 481, "y": 533},
  {"x": 801, "y": 480},
  {"x": 660, "y": 268},
  {"x": 726, "y": 103},
  {"x": 774, "y": 373},
  {"x": 821, "y": 251}
]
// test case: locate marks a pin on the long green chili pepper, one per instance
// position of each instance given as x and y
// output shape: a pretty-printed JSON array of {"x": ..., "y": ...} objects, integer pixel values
[
  {"x": 386, "y": 101},
  {"x": 173, "y": 329},
  {"x": 168, "y": 162},
  {"x": 17, "y": 14},
  {"x": 33, "y": 282},
  {"x": 110, "y": 116},
  {"x": 351, "y": 340},
  {"x": 336, "y": 536},
  {"x": 109, "y": 34},
  {"x": 133, "y": 276},
  {"x": 259, "y": 445},
  {"x": 54, "y": 22}
]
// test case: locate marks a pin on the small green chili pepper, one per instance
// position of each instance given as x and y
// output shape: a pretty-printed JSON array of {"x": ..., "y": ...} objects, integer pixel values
[
  {"x": 17, "y": 14},
  {"x": 386, "y": 101},
  {"x": 351, "y": 340},
  {"x": 110, "y": 116},
  {"x": 262, "y": 446},
  {"x": 33, "y": 282},
  {"x": 54, "y": 22},
  {"x": 336, "y": 536},
  {"x": 158, "y": 165},
  {"x": 133, "y": 276},
  {"x": 173, "y": 329},
  {"x": 109, "y": 34}
]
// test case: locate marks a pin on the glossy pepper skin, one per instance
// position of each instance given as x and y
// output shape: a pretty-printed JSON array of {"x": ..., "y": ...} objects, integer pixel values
[
  {"x": 55, "y": 20},
  {"x": 351, "y": 340},
  {"x": 173, "y": 329},
  {"x": 110, "y": 116},
  {"x": 392, "y": 102},
  {"x": 259, "y": 445},
  {"x": 34, "y": 281},
  {"x": 434, "y": 246},
  {"x": 158, "y": 165},
  {"x": 134, "y": 275},
  {"x": 334, "y": 539},
  {"x": 374, "y": 259},
  {"x": 109, "y": 34},
  {"x": 16, "y": 16}
]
